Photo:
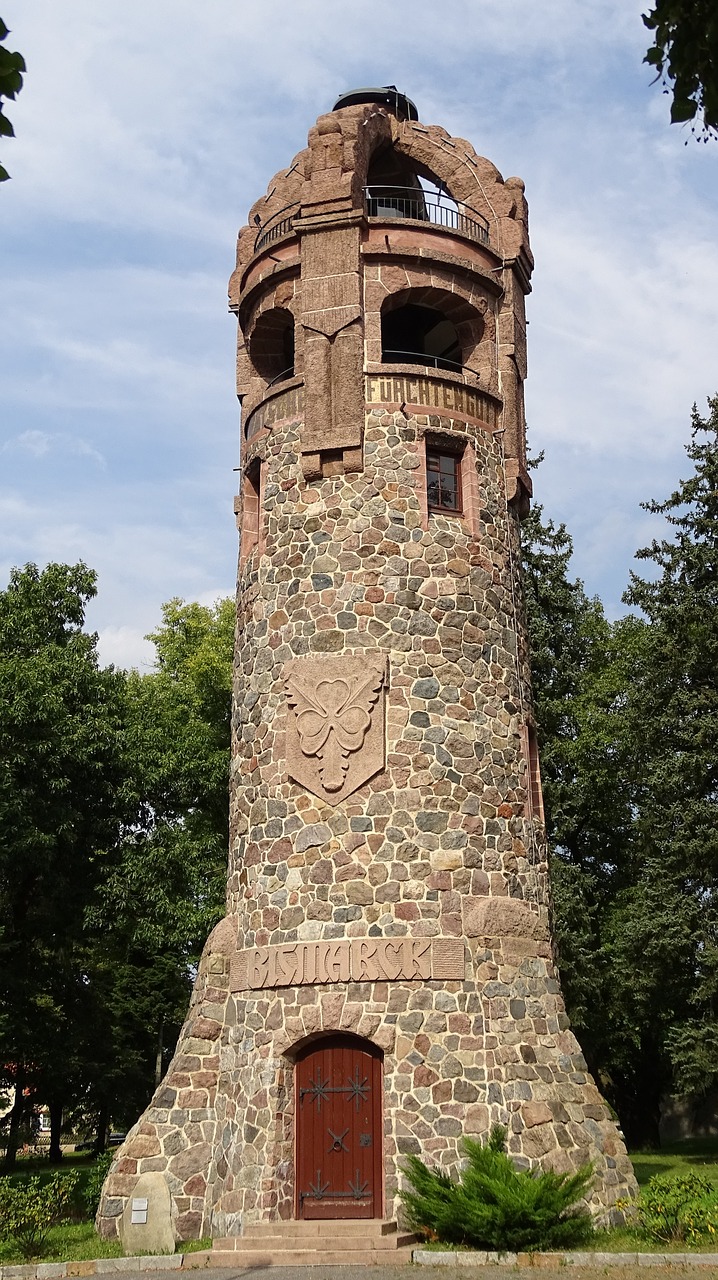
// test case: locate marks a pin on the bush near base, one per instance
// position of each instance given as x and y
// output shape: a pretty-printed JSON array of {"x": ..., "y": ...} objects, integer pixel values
[{"x": 495, "y": 1206}]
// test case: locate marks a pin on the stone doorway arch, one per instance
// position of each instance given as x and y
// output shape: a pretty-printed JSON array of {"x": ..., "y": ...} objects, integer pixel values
[{"x": 339, "y": 1127}]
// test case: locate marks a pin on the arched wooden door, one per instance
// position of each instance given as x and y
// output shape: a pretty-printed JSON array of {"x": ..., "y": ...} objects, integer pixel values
[{"x": 339, "y": 1129}]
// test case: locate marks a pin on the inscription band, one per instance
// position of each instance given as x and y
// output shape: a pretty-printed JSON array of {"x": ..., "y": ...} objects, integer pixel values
[{"x": 348, "y": 960}]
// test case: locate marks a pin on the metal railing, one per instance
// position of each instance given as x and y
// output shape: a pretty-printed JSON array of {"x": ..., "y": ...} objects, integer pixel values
[
  {"x": 390, "y": 356},
  {"x": 281, "y": 377},
  {"x": 280, "y": 224},
  {"x": 426, "y": 206},
  {"x": 392, "y": 202}
]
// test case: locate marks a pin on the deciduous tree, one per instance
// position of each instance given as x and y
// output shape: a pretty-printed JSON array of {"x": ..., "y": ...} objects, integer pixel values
[
  {"x": 12, "y": 66},
  {"x": 61, "y": 724},
  {"x": 685, "y": 52}
]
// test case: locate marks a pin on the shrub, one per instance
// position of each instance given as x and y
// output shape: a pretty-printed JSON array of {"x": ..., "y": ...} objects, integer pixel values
[
  {"x": 683, "y": 1209},
  {"x": 28, "y": 1209},
  {"x": 495, "y": 1206},
  {"x": 94, "y": 1183}
]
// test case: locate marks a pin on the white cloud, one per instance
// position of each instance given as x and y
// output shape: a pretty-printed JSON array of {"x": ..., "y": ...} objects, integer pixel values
[
  {"x": 41, "y": 443},
  {"x": 125, "y": 647}
]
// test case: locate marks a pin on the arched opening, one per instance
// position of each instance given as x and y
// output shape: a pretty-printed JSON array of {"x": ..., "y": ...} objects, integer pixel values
[
  {"x": 271, "y": 345},
  {"x": 417, "y": 334},
  {"x": 338, "y": 1109},
  {"x": 396, "y": 188},
  {"x": 429, "y": 325},
  {"x": 393, "y": 188}
]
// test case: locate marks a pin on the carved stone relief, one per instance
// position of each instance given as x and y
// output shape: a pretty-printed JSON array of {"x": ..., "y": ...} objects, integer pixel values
[
  {"x": 335, "y": 722},
  {"x": 348, "y": 960}
]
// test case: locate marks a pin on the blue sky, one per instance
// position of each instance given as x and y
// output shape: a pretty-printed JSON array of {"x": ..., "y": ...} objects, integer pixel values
[{"x": 144, "y": 133}]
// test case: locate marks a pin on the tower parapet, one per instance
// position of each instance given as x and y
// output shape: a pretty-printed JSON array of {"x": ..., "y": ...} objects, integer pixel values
[{"x": 383, "y": 982}]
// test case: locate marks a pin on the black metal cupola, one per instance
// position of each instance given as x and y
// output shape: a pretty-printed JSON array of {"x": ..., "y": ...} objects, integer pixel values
[{"x": 386, "y": 96}]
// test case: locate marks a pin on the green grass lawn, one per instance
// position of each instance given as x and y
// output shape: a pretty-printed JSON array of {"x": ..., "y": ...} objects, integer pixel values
[
  {"x": 76, "y": 1240},
  {"x": 70, "y": 1241},
  {"x": 700, "y": 1156}
]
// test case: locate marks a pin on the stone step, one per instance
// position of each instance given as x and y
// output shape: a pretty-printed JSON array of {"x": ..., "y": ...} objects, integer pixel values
[
  {"x": 297, "y": 1257},
  {"x": 276, "y": 1243},
  {"x": 321, "y": 1226}
]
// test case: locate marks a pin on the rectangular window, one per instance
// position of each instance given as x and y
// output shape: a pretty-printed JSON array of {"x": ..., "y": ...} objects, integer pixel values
[
  {"x": 534, "y": 778},
  {"x": 251, "y": 526},
  {"x": 443, "y": 479}
]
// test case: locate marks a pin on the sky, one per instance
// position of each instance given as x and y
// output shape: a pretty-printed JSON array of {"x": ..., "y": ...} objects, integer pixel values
[{"x": 144, "y": 133}]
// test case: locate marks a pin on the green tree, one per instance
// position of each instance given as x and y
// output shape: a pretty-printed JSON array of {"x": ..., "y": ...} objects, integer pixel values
[
  {"x": 60, "y": 783},
  {"x": 12, "y": 66},
  {"x": 114, "y": 811},
  {"x": 164, "y": 889},
  {"x": 674, "y": 707},
  {"x": 582, "y": 667},
  {"x": 171, "y": 878},
  {"x": 685, "y": 51},
  {"x": 628, "y": 727}
]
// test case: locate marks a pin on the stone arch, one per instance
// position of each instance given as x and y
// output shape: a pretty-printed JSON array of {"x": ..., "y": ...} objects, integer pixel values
[
  {"x": 271, "y": 344},
  {"x": 409, "y": 312}
]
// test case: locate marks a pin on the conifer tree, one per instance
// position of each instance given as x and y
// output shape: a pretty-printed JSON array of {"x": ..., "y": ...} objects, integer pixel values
[{"x": 674, "y": 713}]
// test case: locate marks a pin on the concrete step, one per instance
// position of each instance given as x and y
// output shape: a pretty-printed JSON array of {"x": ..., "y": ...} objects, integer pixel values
[
  {"x": 276, "y": 1243},
  {"x": 292, "y": 1257},
  {"x": 374, "y": 1227}
]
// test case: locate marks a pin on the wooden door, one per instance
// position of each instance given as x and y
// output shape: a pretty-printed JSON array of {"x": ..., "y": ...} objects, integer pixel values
[{"x": 339, "y": 1129}]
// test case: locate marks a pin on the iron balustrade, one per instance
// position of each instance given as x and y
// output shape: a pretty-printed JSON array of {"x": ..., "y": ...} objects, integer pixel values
[
  {"x": 393, "y": 202},
  {"x": 281, "y": 377},
  {"x": 426, "y": 206},
  {"x": 389, "y": 356},
  {"x": 280, "y": 224}
]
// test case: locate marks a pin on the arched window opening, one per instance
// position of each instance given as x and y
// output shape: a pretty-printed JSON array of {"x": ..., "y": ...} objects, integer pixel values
[
  {"x": 393, "y": 187},
  {"x": 415, "y": 334},
  {"x": 271, "y": 346}
]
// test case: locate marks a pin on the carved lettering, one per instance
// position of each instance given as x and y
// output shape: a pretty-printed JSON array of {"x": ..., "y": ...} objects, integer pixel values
[
  {"x": 288, "y": 405},
  {"x": 393, "y": 959},
  {"x": 422, "y": 966},
  {"x": 348, "y": 960},
  {"x": 320, "y": 961},
  {"x": 286, "y": 974},
  {"x": 258, "y": 966},
  {"x": 365, "y": 967},
  {"x": 337, "y": 962},
  {"x": 463, "y": 400},
  {"x": 309, "y": 967}
]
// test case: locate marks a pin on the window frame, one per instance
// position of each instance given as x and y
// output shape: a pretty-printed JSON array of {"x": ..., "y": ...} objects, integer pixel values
[{"x": 444, "y": 448}]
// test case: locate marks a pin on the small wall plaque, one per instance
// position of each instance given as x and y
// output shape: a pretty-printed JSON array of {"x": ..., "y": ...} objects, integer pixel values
[{"x": 139, "y": 1211}]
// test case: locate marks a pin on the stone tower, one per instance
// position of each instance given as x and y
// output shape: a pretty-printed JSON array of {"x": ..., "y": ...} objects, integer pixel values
[{"x": 383, "y": 981}]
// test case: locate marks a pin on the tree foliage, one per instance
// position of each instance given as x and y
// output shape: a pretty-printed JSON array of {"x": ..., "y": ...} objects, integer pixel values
[
  {"x": 164, "y": 889},
  {"x": 60, "y": 812},
  {"x": 628, "y": 721},
  {"x": 12, "y": 66},
  {"x": 685, "y": 52},
  {"x": 674, "y": 706},
  {"x": 113, "y": 806}
]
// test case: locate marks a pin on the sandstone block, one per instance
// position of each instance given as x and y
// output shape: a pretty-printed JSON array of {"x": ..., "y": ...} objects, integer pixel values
[{"x": 494, "y": 917}]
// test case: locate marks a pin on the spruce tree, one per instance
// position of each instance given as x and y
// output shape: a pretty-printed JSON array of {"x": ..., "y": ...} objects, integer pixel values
[{"x": 674, "y": 712}]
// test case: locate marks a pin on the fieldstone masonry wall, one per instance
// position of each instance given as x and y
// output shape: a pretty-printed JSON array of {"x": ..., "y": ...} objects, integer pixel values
[{"x": 386, "y": 874}]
